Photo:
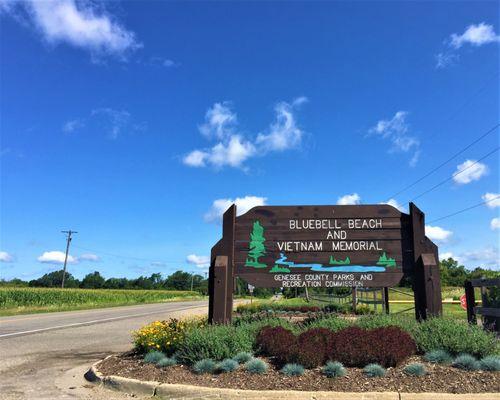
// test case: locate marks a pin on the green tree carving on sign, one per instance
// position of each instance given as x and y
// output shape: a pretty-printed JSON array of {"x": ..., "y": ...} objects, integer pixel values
[
  {"x": 256, "y": 245},
  {"x": 387, "y": 261}
]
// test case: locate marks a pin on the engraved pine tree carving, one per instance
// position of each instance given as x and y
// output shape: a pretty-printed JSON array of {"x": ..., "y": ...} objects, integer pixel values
[{"x": 256, "y": 245}]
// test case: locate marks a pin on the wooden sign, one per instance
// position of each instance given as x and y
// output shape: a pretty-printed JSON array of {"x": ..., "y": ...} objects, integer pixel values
[
  {"x": 319, "y": 246},
  {"x": 324, "y": 246}
]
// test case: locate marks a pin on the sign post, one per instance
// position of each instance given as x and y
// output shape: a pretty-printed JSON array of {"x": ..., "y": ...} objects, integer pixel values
[
  {"x": 425, "y": 268},
  {"x": 324, "y": 246}
]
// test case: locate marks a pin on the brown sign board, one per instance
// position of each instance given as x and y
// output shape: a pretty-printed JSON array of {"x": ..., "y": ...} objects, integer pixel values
[
  {"x": 319, "y": 246},
  {"x": 324, "y": 246}
]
